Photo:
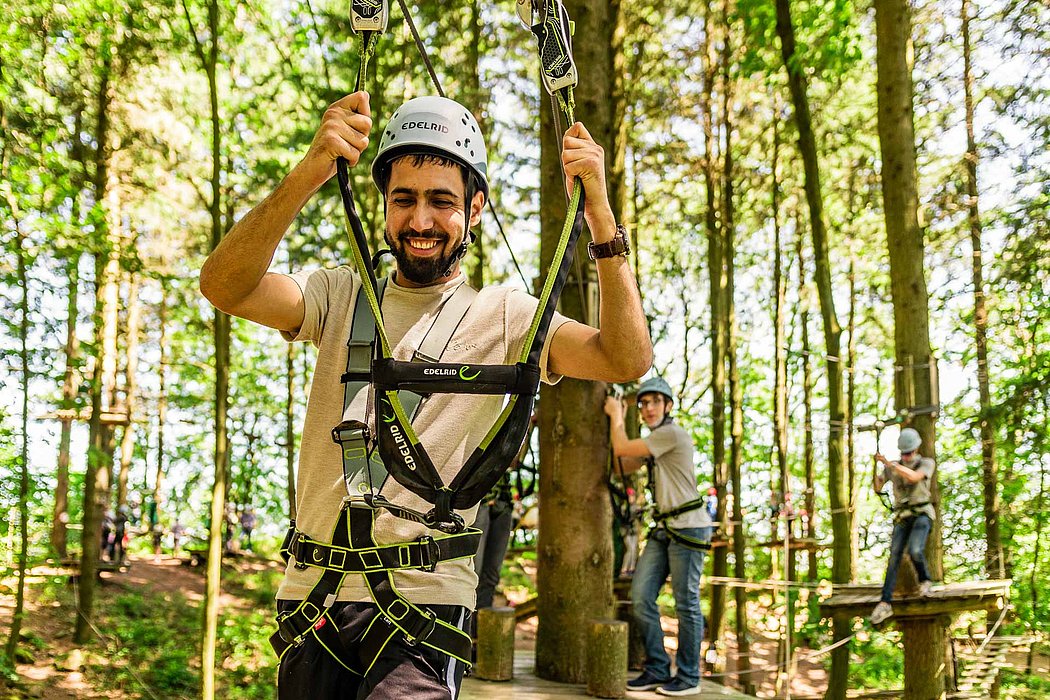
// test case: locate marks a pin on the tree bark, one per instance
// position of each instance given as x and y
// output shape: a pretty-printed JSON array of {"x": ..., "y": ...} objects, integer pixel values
[
  {"x": 208, "y": 55},
  {"x": 574, "y": 549},
  {"x": 993, "y": 560},
  {"x": 925, "y": 648},
  {"x": 127, "y": 442},
  {"x": 162, "y": 393},
  {"x": 22, "y": 267},
  {"x": 841, "y": 551},
  {"x": 808, "y": 450},
  {"x": 60, "y": 511},
  {"x": 717, "y": 286},
  {"x": 736, "y": 392},
  {"x": 96, "y": 475}
]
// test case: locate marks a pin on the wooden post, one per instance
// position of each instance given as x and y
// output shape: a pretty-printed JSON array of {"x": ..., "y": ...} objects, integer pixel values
[
  {"x": 495, "y": 644},
  {"x": 625, "y": 613},
  {"x": 607, "y": 659},
  {"x": 924, "y": 657}
]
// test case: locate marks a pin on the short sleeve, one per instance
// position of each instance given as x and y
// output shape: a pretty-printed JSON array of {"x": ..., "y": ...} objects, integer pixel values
[
  {"x": 316, "y": 286},
  {"x": 661, "y": 441},
  {"x": 521, "y": 308},
  {"x": 926, "y": 467}
]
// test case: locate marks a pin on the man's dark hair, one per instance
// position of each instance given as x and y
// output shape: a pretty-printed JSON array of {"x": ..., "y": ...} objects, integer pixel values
[{"x": 418, "y": 160}]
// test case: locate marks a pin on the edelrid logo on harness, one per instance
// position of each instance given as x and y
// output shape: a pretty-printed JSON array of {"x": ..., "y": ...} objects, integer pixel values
[
  {"x": 463, "y": 374},
  {"x": 440, "y": 372},
  {"x": 429, "y": 126},
  {"x": 402, "y": 447}
]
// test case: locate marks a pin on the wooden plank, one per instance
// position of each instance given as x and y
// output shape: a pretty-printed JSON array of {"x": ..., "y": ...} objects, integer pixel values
[{"x": 947, "y": 599}]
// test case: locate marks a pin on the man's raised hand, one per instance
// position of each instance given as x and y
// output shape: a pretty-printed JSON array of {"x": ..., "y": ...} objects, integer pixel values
[{"x": 343, "y": 133}]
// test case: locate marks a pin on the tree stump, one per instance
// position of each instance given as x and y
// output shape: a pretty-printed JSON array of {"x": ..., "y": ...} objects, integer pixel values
[
  {"x": 607, "y": 659},
  {"x": 495, "y": 644}
]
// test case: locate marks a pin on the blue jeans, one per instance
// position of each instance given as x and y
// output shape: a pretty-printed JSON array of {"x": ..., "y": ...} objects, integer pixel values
[
  {"x": 913, "y": 533},
  {"x": 660, "y": 558}
]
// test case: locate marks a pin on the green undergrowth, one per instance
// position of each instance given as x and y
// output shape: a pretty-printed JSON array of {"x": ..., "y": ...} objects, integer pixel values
[
  {"x": 150, "y": 642},
  {"x": 1018, "y": 686}
]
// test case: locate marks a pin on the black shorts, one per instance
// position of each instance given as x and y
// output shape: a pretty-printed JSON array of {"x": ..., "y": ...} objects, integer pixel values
[{"x": 310, "y": 672}]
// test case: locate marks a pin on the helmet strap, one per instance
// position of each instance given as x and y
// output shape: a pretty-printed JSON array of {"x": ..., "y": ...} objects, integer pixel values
[{"x": 468, "y": 235}]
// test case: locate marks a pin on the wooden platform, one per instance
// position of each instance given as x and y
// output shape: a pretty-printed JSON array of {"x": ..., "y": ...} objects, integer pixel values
[
  {"x": 859, "y": 600},
  {"x": 526, "y": 686}
]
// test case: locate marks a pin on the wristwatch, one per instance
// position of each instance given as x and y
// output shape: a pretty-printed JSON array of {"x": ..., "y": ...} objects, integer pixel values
[{"x": 619, "y": 245}]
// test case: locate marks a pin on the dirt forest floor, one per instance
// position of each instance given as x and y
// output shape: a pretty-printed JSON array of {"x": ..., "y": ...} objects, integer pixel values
[{"x": 54, "y": 673}]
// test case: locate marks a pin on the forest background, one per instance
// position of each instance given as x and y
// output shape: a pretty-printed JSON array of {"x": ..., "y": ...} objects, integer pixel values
[{"x": 136, "y": 133}]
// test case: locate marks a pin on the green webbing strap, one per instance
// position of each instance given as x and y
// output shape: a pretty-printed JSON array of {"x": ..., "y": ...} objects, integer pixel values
[
  {"x": 686, "y": 540},
  {"x": 354, "y": 550},
  {"x": 363, "y": 469},
  {"x": 686, "y": 507}
]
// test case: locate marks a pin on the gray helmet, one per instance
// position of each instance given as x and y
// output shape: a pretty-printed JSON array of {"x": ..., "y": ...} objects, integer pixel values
[
  {"x": 436, "y": 126},
  {"x": 656, "y": 385},
  {"x": 909, "y": 440}
]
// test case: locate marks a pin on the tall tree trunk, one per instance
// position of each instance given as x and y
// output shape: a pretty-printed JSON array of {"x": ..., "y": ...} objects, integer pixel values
[
  {"x": 780, "y": 434},
  {"x": 832, "y": 336},
  {"x": 808, "y": 451},
  {"x": 22, "y": 265},
  {"x": 208, "y": 55},
  {"x": 1040, "y": 519},
  {"x": 781, "y": 476},
  {"x": 60, "y": 512},
  {"x": 162, "y": 393},
  {"x": 993, "y": 561},
  {"x": 925, "y": 644},
  {"x": 574, "y": 550},
  {"x": 851, "y": 392},
  {"x": 127, "y": 442},
  {"x": 97, "y": 473},
  {"x": 717, "y": 286},
  {"x": 736, "y": 392},
  {"x": 851, "y": 383}
]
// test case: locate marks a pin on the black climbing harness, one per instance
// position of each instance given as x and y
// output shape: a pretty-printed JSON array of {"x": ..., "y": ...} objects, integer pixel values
[{"x": 399, "y": 387}]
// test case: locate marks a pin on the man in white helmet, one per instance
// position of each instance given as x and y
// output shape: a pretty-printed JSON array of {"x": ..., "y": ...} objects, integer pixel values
[
  {"x": 913, "y": 515},
  {"x": 432, "y": 171},
  {"x": 676, "y": 544}
]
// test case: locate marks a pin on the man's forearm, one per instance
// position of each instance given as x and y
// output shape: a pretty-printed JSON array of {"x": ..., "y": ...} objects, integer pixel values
[
  {"x": 236, "y": 266},
  {"x": 623, "y": 331},
  {"x": 617, "y": 434}
]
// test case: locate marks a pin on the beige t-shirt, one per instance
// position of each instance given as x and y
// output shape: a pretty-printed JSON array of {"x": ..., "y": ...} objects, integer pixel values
[
  {"x": 674, "y": 474},
  {"x": 906, "y": 494},
  {"x": 450, "y": 426}
]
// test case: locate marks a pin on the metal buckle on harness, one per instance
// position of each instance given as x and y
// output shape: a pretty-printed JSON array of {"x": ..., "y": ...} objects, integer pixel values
[
  {"x": 295, "y": 548},
  {"x": 413, "y": 640},
  {"x": 429, "y": 553},
  {"x": 288, "y": 633},
  {"x": 453, "y": 527},
  {"x": 343, "y": 432}
]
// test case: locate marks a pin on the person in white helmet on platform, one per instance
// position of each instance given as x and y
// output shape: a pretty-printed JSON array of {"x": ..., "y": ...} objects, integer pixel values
[{"x": 913, "y": 515}]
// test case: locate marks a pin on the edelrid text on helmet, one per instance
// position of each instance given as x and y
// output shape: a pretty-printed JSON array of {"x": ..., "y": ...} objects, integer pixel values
[
  {"x": 433, "y": 126},
  {"x": 656, "y": 385},
  {"x": 909, "y": 440}
]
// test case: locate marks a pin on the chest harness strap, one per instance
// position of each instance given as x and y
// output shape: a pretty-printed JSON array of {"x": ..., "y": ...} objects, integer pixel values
[{"x": 352, "y": 549}]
